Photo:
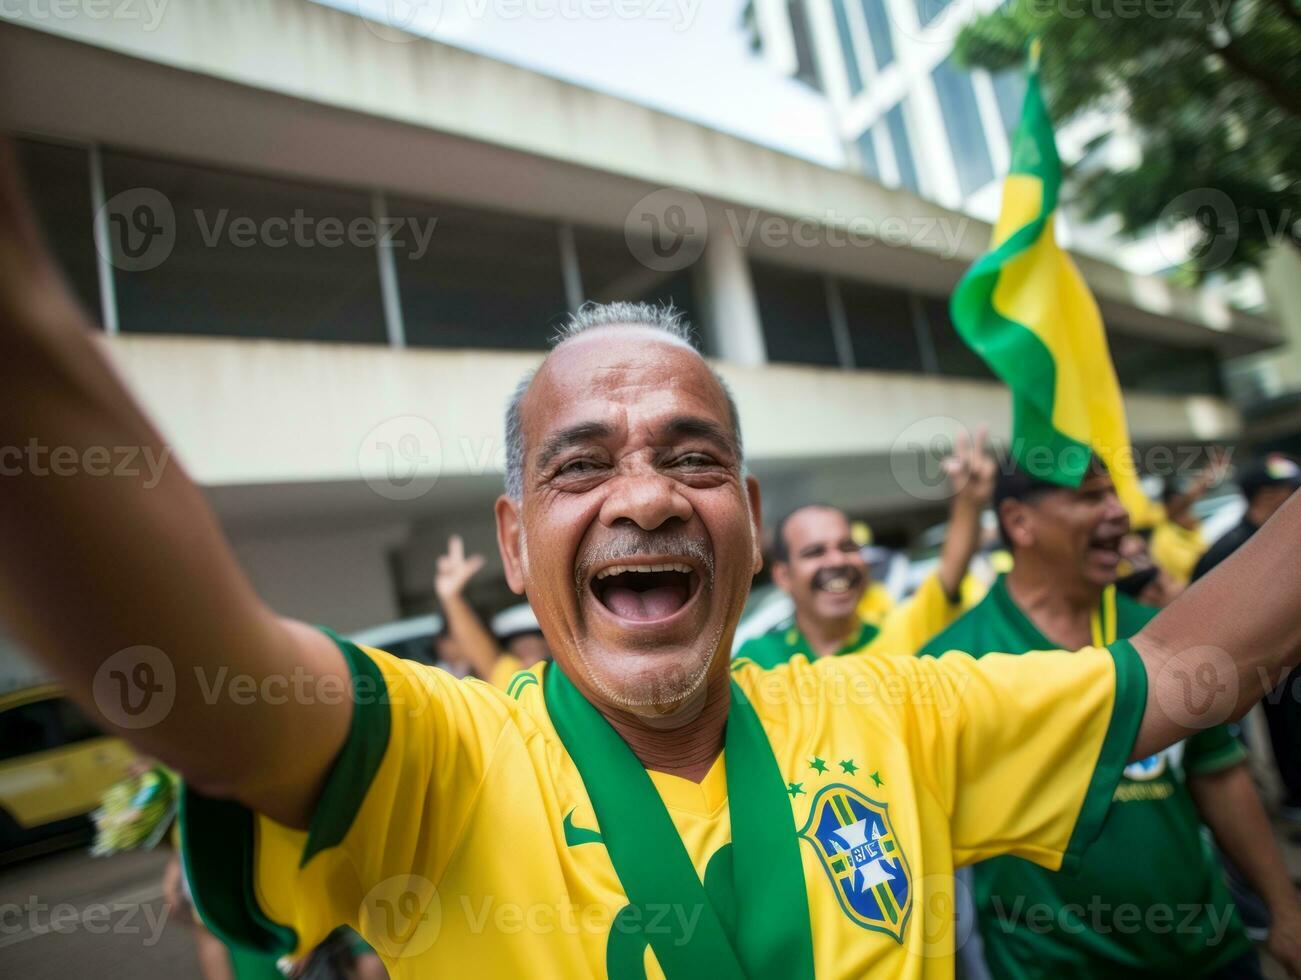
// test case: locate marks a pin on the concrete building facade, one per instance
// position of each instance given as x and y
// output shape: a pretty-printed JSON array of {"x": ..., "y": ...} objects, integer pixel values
[{"x": 322, "y": 255}]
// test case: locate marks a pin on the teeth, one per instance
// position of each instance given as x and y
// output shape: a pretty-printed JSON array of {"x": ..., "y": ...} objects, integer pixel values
[
  {"x": 620, "y": 569},
  {"x": 836, "y": 585}
]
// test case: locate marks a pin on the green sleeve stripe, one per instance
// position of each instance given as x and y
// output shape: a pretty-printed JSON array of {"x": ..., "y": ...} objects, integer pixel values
[
  {"x": 218, "y": 835},
  {"x": 1228, "y": 755},
  {"x": 217, "y": 848},
  {"x": 525, "y": 681},
  {"x": 1122, "y": 731},
  {"x": 360, "y": 757}
]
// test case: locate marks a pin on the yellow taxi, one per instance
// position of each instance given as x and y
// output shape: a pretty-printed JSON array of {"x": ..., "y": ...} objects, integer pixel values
[{"x": 54, "y": 765}]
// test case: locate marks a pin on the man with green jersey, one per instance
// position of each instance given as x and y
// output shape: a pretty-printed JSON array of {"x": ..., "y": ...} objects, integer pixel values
[
  {"x": 1149, "y": 898},
  {"x": 818, "y": 563}
]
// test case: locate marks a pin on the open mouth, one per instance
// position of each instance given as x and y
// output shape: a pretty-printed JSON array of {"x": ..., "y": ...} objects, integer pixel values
[
  {"x": 837, "y": 581},
  {"x": 1105, "y": 548},
  {"x": 645, "y": 593}
]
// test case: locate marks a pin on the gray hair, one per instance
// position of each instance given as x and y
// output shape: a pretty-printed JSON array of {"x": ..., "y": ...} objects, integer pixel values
[{"x": 594, "y": 316}]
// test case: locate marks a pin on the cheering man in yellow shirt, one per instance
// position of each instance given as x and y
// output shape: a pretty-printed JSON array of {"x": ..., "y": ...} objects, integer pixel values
[{"x": 636, "y": 809}]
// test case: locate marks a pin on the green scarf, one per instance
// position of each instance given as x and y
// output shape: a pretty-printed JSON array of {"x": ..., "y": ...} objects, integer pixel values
[{"x": 772, "y": 939}]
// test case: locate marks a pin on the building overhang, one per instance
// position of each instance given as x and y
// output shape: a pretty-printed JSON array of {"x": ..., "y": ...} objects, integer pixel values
[{"x": 295, "y": 88}]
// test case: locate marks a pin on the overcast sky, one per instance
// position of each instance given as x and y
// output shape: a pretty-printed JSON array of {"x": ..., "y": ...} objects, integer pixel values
[{"x": 686, "y": 57}]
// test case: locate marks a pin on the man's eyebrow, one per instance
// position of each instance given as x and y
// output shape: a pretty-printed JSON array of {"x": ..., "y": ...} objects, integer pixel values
[
  {"x": 575, "y": 435},
  {"x": 694, "y": 425}
]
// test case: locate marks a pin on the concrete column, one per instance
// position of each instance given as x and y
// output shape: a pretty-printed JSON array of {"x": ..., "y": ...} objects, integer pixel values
[
  {"x": 1282, "y": 278},
  {"x": 731, "y": 307}
]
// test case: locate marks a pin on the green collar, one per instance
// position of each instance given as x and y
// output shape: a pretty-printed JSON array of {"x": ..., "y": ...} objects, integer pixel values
[
  {"x": 796, "y": 643},
  {"x": 1103, "y": 618}
]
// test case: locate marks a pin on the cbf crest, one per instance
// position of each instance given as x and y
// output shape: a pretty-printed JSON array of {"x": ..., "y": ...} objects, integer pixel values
[{"x": 853, "y": 837}]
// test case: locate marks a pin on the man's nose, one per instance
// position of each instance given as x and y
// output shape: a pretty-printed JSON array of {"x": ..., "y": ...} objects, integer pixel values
[
  {"x": 647, "y": 499},
  {"x": 1115, "y": 511}
]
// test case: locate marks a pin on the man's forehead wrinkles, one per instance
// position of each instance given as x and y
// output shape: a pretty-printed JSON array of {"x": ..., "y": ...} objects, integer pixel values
[
  {"x": 637, "y": 391},
  {"x": 620, "y": 378}
]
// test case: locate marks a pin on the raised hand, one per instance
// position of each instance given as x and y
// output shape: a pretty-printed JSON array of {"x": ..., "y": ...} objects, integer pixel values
[
  {"x": 971, "y": 471},
  {"x": 455, "y": 569},
  {"x": 971, "y": 474}
]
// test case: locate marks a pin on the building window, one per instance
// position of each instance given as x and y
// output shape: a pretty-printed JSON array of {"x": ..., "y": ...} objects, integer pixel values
[
  {"x": 58, "y": 181},
  {"x": 847, "y": 54},
  {"x": 962, "y": 122},
  {"x": 867, "y": 155},
  {"x": 793, "y": 310},
  {"x": 928, "y": 10},
  {"x": 485, "y": 279},
  {"x": 199, "y": 251},
  {"x": 610, "y": 272},
  {"x": 881, "y": 328},
  {"x": 878, "y": 32},
  {"x": 806, "y": 65},
  {"x": 1145, "y": 364},
  {"x": 1009, "y": 90},
  {"x": 903, "y": 153},
  {"x": 952, "y": 355}
]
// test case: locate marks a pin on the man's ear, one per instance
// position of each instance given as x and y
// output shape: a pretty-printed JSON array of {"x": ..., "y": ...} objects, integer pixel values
[
  {"x": 508, "y": 542},
  {"x": 781, "y": 576},
  {"x": 1015, "y": 517},
  {"x": 756, "y": 523}
]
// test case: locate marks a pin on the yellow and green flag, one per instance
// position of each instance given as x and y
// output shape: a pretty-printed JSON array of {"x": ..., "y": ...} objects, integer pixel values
[{"x": 1024, "y": 307}]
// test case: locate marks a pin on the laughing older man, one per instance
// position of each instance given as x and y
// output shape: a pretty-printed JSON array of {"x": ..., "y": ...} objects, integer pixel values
[{"x": 633, "y": 809}]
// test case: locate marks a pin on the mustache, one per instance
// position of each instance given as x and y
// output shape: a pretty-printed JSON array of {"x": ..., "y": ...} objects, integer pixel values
[
  {"x": 634, "y": 542},
  {"x": 825, "y": 575}
]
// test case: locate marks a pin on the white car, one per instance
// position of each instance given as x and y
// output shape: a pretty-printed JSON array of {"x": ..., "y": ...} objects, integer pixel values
[{"x": 410, "y": 639}]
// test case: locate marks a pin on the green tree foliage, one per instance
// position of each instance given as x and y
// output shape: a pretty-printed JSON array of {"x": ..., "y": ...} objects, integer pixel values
[{"x": 1212, "y": 91}]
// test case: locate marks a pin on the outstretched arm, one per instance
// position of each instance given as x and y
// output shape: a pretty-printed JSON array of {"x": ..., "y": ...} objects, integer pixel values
[
  {"x": 125, "y": 586},
  {"x": 455, "y": 569},
  {"x": 1214, "y": 651}
]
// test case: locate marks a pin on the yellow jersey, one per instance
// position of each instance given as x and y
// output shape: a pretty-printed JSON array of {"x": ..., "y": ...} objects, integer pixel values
[
  {"x": 876, "y": 604},
  {"x": 455, "y": 833},
  {"x": 1176, "y": 549},
  {"x": 504, "y": 670}
]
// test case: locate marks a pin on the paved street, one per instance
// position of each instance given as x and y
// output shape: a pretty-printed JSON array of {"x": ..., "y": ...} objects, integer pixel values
[{"x": 68, "y": 915}]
